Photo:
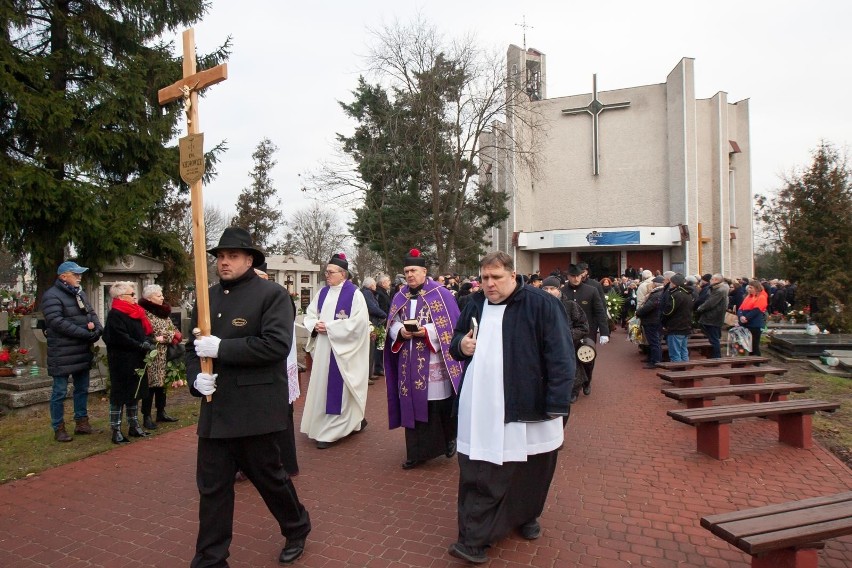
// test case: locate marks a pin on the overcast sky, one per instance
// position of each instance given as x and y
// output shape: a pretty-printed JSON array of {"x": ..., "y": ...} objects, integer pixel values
[{"x": 292, "y": 61}]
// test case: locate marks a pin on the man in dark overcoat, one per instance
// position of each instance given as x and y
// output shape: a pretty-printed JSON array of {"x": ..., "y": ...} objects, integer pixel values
[{"x": 239, "y": 427}]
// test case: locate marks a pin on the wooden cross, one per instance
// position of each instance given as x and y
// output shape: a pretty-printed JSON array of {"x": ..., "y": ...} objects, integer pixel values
[{"x": 187, "y": 89}]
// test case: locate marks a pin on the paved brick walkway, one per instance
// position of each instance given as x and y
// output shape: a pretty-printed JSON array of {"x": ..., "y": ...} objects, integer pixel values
[{"x": 629, "y": 491}]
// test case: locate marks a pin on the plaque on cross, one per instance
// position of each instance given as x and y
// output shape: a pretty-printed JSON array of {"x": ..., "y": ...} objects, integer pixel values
[
  {"x": 595, "y": 108},
  {"x": 192, "y": 168}
]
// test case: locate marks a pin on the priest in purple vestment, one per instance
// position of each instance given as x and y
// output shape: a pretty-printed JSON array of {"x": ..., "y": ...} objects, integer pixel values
[{"x": 422, "y": 377}]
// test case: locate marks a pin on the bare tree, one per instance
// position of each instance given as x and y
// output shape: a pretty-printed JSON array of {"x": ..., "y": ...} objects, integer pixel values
[
  {"x": 316, "y": 233},
  {"x": 425, "y": 131},
  {"x": 365, "y": 262},
  {"x": 216, "y": 221}
]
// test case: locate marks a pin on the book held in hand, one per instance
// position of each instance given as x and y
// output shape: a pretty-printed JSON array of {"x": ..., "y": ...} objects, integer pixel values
[{"x": 411, "y": 326}]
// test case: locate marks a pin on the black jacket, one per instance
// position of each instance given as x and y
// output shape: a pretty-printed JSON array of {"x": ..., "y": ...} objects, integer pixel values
[
  {"x": 69, "y": 341},
  {"x": 383, "y": 298},
  {"x": 576, "y": 319},
  {"x": 538, "y": 358},
  {"x": 377, "y": 315},
  {"x": 127, "y": 346},
  {"x": 254, "y": 319},
  {"x": 590, "y": 300},
  {"x": 676, "y": 311},
  {"x": 649, "y": 311}
]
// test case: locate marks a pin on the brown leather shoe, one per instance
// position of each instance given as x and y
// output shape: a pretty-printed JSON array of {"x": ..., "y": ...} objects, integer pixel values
[
  {"x": 60, "y": 435},
  {"x": 83, "y": 427}
]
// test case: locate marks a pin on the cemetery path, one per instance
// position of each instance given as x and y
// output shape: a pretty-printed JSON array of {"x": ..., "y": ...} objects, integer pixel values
[{"x": 629, "y": 491}]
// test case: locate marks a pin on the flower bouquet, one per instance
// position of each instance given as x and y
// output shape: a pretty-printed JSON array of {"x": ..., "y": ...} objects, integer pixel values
[
  {"x": 614, "y": 303},
  {"x": 11, "y": 358}
]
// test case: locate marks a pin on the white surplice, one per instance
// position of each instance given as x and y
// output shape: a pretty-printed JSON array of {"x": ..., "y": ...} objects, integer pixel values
[
  {"x": 483, "y": 433},
  {"x": 349, "y": 340}
]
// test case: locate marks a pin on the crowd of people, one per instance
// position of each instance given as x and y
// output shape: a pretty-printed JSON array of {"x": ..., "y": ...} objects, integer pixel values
[{"x": 485, "y": 367}]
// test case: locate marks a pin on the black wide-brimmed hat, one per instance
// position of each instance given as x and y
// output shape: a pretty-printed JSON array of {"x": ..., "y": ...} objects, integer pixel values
[
  {"x": 237, "y": 238},
  {"x": 339, "y": 259},
  {"x": 413, "y": 258},
  {"x": 574, "y": 270}
]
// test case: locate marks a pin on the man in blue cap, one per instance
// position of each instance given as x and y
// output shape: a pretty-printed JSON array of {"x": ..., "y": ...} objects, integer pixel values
[{"x": 72, "y": 326}]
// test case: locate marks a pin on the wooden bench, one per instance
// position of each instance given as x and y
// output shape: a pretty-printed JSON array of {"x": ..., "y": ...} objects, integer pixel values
[
  {"x": 713, "y": 424},
  {"x": 703, "y": 397},
  {"x": 737, "y": 376},
  {"x": 732, "y": 361},
  {"x": 702, "y": 346},
  {"x": 788, "y": 535}
]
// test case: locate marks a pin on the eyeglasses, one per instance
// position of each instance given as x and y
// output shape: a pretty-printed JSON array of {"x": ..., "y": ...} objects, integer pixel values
[
  {"x": 330, "y": 272},
  {"x": 132, "y": 294}
]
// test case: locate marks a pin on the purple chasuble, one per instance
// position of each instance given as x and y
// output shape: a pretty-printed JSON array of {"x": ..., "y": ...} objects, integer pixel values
[
  {"x": 334, "y": 391},
  {"x": 407, "y": 372}
]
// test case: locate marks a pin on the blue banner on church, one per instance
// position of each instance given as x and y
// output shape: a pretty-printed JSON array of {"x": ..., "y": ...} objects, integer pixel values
[{"x": 613, "y": 238}]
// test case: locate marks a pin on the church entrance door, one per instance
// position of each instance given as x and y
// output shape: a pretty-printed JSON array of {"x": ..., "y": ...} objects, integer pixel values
[{"x": 601, "y": 263}]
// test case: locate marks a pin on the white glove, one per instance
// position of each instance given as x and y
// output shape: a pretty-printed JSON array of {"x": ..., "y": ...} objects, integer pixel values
[
  {"x": 604, "y": 339},
  {"x": 207, "y": 346},
  {"x": 205, "y": 383}
]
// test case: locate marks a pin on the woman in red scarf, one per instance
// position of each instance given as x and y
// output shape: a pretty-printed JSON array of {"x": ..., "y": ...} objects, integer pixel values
[{"x": 127, "y": 336}]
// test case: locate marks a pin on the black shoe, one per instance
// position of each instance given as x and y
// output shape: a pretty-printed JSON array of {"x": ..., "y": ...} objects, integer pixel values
[
  {"x": 451, "y": 449},
  {"x": 118, "y": 437},
  {"x": 291, "y": 551},
  {"x": 363, "y": 426},
  {"x": 163, "y": 417},
  {"x": 472, "y": 554},
  {"x": 530, "y": 530},
  {"x": 323, "y": 445},
  {"x": 410, "y": 464},
  {"x": 148, "y": 423},
  {"x": 137, "y": 432},
  {"x": 649, "y": 366},
  {"x": 574, "y": 397},
  {"x": 587, "y": 389}
]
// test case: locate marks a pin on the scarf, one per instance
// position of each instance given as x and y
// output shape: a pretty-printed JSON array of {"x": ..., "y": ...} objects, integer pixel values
[
  {"x": 134, "y": 311},
  {"x": 160, "y": 310}
]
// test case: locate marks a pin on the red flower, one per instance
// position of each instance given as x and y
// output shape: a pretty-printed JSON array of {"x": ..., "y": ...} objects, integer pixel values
[
  {"x": 23, "y": 351},
  {"x": 4, "y": 356}
]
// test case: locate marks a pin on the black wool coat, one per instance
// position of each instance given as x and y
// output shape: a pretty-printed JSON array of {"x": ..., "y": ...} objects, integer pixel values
[
  {"x": 69, "y": 341},
  {"x": 538, "y": 359},
  {"x": 254, "y": 319},
  {"x": 124, "y": 338}
]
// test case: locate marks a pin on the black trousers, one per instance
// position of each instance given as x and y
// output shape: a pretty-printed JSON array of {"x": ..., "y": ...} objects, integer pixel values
[
  {"x": 431, "y": 439},
  {"x": 258, "y": 457},
  {"x": 495, "y": 499},
  {"x": 157, "y": 396}
]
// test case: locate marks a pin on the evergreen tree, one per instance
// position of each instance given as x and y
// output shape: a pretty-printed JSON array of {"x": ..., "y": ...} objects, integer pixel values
[
  {"x": 82, "y": 134},
  {"x": 258, "y": 208},
  {"x": 812, "y": 220}
]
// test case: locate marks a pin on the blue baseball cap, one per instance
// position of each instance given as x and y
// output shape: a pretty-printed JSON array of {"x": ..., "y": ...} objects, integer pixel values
[{"x": 69, "y": 266}]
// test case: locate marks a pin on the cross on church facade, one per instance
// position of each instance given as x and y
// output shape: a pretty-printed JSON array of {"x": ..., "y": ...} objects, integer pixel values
[
  {"x": 187, "y": 89},
  {"x": 595, "y": 108}
]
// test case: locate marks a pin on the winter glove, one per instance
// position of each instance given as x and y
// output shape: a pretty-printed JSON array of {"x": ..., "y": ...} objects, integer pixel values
[
  {"x": 147, "y": 346},
  {"x": 207, "y": 346},
  {"x": 205, "y": 383},
  {"x": 604, "y": 339}
]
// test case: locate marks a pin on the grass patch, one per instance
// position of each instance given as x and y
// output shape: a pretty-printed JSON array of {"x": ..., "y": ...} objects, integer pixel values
[{"x": 27, "y": 446}]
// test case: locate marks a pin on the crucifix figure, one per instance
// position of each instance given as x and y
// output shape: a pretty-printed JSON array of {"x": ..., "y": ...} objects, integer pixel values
[
  {"x": 187, "y": 89},
  {"x": 595, "y": 108}
]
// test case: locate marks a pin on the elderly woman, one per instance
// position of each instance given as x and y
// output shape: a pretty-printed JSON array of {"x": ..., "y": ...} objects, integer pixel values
[
  {"x": 126, "y": 335},
  {"x": 752, "y": 312},
  {"x": 158, "y": 312}
]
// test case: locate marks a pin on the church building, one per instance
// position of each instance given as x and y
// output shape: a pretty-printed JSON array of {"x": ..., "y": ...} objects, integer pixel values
[{"x": 644, "y": 177}]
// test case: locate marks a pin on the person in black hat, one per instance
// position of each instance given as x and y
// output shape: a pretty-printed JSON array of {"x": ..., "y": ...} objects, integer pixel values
[
  {"x": 592, "y": 304},
  {"x": 338, "y": 321},
  {"x": 239, "y": 428}
]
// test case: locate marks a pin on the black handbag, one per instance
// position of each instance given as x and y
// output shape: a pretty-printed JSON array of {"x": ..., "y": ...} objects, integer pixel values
[{"x": 175, "y": 351}]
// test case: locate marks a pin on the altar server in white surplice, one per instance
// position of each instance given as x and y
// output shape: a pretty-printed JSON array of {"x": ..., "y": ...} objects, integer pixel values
[
  {"x": 339, "y": 325},
  {"x": 514, "y": 392}
]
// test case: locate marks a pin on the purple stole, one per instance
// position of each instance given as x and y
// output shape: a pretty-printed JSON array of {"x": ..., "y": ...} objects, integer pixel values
[
  {"x": 407, "y": 372},
  {"x": 334, "y": 392}
]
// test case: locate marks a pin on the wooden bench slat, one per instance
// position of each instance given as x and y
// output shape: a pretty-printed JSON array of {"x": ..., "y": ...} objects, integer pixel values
[
  {"x": 679, "y": 365},
  {"x": 728, "y": 413},
  {"x": 708, "y": 373},
  {"x": 796, "y": 537},
  {"x": 788, "y": 520},
  {"x": 732, "y": 390},
  {"x": 730, "y": 516}
]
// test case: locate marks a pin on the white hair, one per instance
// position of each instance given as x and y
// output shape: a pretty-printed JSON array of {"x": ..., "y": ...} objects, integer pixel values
[
  {"x": 150, "y": 290},
  {"x": 368, "y": 282},
  {"x": 647, "y": 274},
  {"x": 121, "y": 288}
]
